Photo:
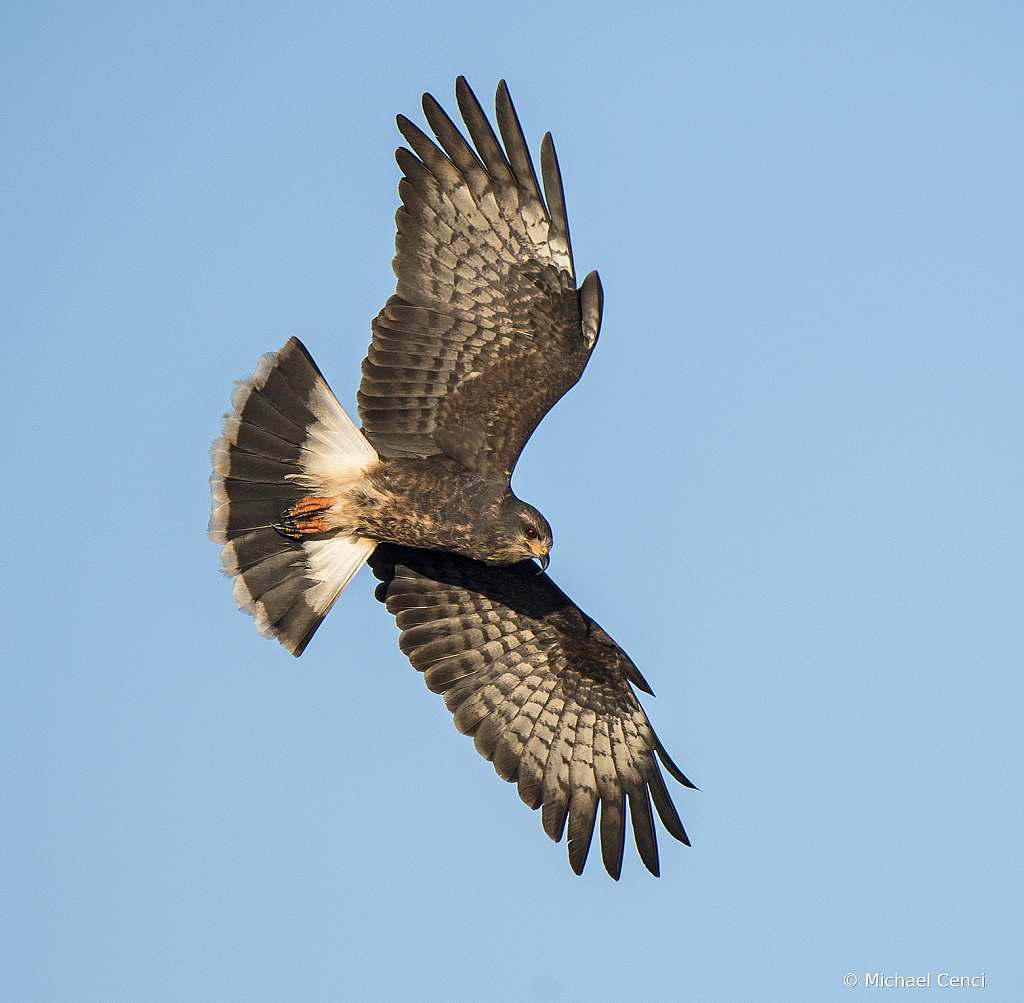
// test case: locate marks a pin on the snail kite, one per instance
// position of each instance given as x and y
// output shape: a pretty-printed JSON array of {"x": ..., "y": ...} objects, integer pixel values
[{"x": 486, "y": 331}]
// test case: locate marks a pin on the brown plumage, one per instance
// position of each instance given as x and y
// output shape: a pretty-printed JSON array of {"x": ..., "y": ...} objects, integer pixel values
[
  {"x": 486, "y": 331},
  {"x": 543, "y": 690}
]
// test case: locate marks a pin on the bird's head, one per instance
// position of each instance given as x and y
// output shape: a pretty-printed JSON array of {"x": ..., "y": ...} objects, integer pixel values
[{"x": 522, "y": 534}]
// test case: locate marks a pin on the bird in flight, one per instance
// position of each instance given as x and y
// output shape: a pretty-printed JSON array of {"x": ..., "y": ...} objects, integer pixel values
[{"x": 486, "y": 331}]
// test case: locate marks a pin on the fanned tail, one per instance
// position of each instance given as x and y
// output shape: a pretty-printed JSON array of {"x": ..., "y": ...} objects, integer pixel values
[{"x": 287, "y": 436}]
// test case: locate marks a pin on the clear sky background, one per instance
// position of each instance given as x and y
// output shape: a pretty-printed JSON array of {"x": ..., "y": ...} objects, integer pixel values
[{"x": 789, "y": 484}]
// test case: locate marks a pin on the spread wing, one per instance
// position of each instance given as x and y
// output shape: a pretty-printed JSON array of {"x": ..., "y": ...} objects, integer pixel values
[
  {"x": 543, "y": 690},
  {"x": 487, "y": 329}
]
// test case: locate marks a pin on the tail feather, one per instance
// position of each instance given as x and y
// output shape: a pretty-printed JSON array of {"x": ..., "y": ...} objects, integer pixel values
[{"x": 288, "y": 434}]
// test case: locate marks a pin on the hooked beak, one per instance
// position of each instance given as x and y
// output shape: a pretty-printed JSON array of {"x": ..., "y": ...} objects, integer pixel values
[{"x": 542, "y": 557}]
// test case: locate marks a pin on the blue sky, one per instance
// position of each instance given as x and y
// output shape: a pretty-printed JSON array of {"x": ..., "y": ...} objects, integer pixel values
[{"x": 789, "y": 484}]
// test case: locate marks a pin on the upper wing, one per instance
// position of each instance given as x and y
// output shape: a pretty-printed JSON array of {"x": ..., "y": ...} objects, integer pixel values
[
  {"x": 543, "y": 690},
  {"x": 487, "y": 329}
]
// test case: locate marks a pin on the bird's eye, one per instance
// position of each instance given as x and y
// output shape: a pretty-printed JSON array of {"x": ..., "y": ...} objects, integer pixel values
[{"x": 531, "y": 533}]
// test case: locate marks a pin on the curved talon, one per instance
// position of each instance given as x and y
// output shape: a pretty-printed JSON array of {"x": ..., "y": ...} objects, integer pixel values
[{"x": 303, "y": 518}]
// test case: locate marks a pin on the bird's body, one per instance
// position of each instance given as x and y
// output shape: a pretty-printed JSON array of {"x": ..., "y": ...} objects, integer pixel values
[
  {"x": 434, "y": 504},
  {"x": 486, "y": 332}
]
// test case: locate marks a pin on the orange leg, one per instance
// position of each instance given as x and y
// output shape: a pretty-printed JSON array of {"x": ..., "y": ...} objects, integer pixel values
[{"x": 305, "y": 517}]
